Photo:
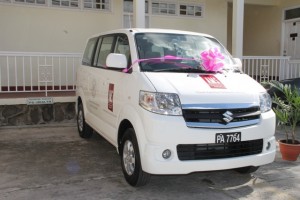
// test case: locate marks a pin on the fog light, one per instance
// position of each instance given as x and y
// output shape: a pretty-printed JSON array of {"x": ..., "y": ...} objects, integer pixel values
[
  {"x": 166, "y": 154},
  {"x": 268, "y": 146}
]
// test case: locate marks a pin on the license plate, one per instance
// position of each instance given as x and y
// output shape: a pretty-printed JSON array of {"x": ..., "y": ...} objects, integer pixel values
[{"x": 222, "y": 138}]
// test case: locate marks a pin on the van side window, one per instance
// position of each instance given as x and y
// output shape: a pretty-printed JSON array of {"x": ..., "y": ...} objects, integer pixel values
[
  {"x": 122, "y": 46},
  {"x": 105, "y": 49},
  {"x": 97, "y": 52},
  {"x": 89, "y": 50}
]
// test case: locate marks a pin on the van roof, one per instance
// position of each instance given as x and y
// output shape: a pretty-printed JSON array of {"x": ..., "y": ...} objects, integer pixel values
[{"x": 151, "y": 30}]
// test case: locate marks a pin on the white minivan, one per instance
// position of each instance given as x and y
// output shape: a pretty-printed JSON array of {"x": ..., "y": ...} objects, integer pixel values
[{"x": 173, "y": 102}]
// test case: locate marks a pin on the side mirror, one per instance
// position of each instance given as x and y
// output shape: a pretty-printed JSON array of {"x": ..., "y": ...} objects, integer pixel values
[
  {"x": 116, "y": 60},
  {"x": 238, "y": 64}
]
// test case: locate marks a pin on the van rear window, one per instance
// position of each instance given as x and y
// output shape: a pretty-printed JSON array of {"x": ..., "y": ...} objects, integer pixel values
[{"x": 89, "y": 50}]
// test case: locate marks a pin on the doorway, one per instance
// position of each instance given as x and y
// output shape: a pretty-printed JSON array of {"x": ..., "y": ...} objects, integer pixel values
[
  {"x": 292, "y": 40},
  {"x": 291, "y": 33}
]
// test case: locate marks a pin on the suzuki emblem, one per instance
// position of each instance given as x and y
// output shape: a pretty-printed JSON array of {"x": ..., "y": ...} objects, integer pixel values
[{"x": 227, "y": 116}]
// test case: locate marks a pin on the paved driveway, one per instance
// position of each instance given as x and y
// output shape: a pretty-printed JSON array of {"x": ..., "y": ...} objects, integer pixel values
[{"x": 54, "y": 163}]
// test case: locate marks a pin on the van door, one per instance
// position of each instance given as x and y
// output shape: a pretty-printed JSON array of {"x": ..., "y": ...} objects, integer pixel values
[
  {"x": 113, "y": 87},
  {"x": 87, "y": 85},
  {"x": 96, "y": 79}
]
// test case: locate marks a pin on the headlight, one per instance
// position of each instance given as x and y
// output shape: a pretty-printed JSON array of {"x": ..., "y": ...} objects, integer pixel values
[
  {"x": 265, "y": 102},
  {"x": 161, "y": 103}
]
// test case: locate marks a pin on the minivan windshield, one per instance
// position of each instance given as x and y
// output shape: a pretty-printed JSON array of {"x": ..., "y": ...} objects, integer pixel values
[{"x": 168, "y": 52}]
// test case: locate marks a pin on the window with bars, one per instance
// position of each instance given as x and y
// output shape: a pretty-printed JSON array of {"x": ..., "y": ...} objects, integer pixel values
[
  {"x": 128, "y": 13},
  {"x": 66, "y": 3},
  {"x": 33, "y": 2},
  {"x": 163, "y": 8},
  {"x": 191, "y": 10},
  {"x": 80, "y": 4},
  {"x": 128, "y": 6},
  {"x": 292, "y": 13},
  {"x": 97, "y": 4}
]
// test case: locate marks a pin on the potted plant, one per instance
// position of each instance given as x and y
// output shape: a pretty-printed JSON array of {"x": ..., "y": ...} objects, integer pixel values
[{"x": 287, "y": 109}]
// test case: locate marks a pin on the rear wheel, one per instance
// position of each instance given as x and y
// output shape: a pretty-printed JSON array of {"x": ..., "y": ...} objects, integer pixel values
[
  {"x": 131, "y": 162},
  {"x": 246, "y": 170},
  {"x": 85, "y": 131}
]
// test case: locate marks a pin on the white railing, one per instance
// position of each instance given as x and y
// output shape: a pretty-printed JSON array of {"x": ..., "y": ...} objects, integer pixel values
[
  {"x": 46, "y": 72},
  {"x": 266, "y": 68},
  {"x": 38, "y": 72},
  {"x": 293, "y": 70}
]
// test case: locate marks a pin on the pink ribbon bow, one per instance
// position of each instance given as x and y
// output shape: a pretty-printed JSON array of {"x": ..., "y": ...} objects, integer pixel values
[{"x": 212, "y": 60}]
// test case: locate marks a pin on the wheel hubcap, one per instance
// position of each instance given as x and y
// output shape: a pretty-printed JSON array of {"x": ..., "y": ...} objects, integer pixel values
[
  {"x": 80, "y": 120},
  {"x": 129, "y": 157}
]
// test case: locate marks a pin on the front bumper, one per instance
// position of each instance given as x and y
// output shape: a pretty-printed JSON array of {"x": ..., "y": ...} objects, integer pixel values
[
  {"x": 166, "y": 132},
  {"x": 155, "y": 164}
]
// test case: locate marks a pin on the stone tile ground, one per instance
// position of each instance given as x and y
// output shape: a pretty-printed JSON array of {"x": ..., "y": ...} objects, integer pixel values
[{"x": 55, "y": 163}]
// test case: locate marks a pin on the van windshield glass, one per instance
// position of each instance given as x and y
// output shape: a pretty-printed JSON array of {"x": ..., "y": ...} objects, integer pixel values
[{"x": 165, "y": 52}]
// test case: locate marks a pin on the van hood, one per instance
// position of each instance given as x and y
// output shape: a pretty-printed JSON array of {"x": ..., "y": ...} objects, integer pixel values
[{"x": 195, "y": 88}]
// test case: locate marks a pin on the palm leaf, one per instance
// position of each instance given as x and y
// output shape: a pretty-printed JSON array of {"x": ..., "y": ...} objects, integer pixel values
[{"x": 287, "y": 108}]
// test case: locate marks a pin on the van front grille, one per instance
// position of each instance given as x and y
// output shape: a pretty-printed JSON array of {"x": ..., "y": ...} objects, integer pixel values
[{"x": 216, "y": 116}]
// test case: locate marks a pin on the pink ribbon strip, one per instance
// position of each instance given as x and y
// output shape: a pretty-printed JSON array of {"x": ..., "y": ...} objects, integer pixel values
[{"x": 167, "y": 57}]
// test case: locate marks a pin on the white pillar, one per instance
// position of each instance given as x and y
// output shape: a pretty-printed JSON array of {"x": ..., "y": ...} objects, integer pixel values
[
  {"x": 139, "y": 13},
  {"x": 237, "y": 28}
]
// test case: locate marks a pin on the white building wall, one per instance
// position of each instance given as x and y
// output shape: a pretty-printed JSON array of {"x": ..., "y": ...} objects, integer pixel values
[
  {"x": 49, "y": 29},
  {"x": 262, "y": 32},
  {"x": 289, "y": 3}
]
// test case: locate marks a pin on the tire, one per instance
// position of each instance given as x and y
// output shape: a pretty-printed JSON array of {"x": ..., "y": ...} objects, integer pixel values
[
  {"x": 131, "y": 162},
  {"x": 85, "y": 131},
  {"x": 246, "y": 170}
]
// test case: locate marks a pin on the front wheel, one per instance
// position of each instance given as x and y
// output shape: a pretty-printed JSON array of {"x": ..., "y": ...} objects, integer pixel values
[{"x": 131, "y": 162}]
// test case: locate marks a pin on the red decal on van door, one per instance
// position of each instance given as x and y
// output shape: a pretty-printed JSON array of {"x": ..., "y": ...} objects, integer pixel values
[
  {"x": 212, "y": 81},
  {"x": 111, "y": 97}
]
